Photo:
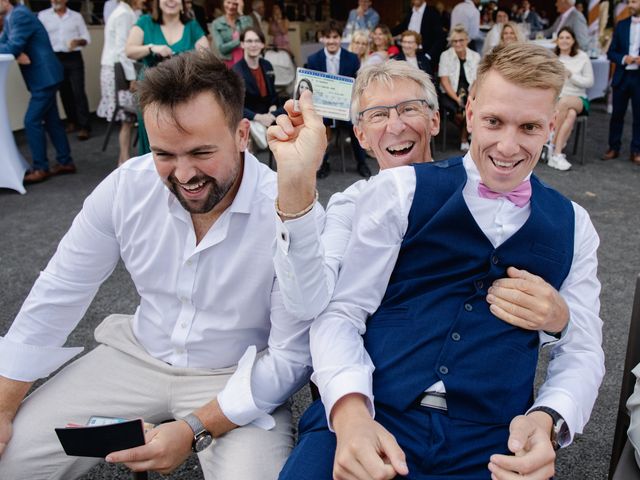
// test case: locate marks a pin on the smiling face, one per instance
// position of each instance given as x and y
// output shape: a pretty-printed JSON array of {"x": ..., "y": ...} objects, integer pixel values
[
  {"x": 508, "y": 35},
  {"x": 634, "y": 7},
  {"x": 565, "y": 42},
  {"x": 199, "y": 163},
  {"x": 379, "y": 39},
  {"x": 252, "y": 45},
  {"x": 502, "y": 17},
  {"x": 507, "y": 141},
  {"x": 397, "y": 142},
  {"x": 230, "y": 7},
  {"x": 170, "y": 7},
  {"x": 332, "y": 42},
  {"x": 409, "y": 45},
  {"x": 459, "y": 42}
]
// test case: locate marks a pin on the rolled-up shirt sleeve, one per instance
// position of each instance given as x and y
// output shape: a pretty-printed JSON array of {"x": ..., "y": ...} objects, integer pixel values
[
  {"x": 340, "y": 361},
  {"x": 576, "y": 365},
  {"x": 86, "y": 256},
  {"x": 264, "y": 381}
]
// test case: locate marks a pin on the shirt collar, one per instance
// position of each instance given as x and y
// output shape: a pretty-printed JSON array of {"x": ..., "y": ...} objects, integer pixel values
[
  {"x": 335, "y": 55},
  {"x": 421, "y": 9}
]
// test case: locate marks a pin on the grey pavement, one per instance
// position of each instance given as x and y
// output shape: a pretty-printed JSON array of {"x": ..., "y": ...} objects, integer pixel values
[{"x": 31, "y": 226}]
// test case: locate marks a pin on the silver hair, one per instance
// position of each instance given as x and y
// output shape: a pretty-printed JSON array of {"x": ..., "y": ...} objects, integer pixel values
[{"x": 386, "y": 73}]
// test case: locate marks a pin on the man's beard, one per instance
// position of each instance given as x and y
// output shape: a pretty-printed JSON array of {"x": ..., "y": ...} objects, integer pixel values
[{"x": 217, "y": 192}]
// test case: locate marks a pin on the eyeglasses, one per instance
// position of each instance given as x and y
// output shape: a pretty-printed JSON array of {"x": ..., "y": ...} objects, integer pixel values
[
  {"x": 407, "y": 109},
  {"x": 253, "y": 41}
]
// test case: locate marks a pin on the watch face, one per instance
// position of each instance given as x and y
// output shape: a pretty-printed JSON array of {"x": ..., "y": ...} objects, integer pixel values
[{"x": 202, "y": 442}]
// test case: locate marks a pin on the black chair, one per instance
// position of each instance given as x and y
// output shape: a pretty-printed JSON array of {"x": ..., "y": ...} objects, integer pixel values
[
  {"x": 121, "y": 83},
  {"x": 623, "y": 465},
  {"x": 580, "y": 134}
]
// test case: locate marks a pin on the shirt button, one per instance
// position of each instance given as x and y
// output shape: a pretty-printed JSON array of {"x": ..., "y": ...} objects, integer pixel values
[
  {"x": 468, "y": 307},
  {"x": 189, "y": 263},
  {"x": 455, "y": 336},
  {"x": 183, "y": 324},
  {"x": 183, "y": 299},
  {"x": 494, "y": 259},
  {"x": 283, "y": 236},
  {"x": 179, "y": 351},
  {"x": 443, "y": 370},
  {"x": 479, "y": 284}
]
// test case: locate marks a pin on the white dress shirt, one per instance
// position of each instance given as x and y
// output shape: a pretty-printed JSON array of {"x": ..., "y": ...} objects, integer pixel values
[
  {"x": 415, "y": 22},
  {"x": 468, "y": 15},
  {"x": 634, "y": 43},
  {"x": 210, "y": 305},
  {"x": 108, "y": 9},
  {"x": 333, "y": 62},
  {"x": 116, "y": 32},
  {"x": 372, "y": 218},
  {"x": 63, "y": 29}
]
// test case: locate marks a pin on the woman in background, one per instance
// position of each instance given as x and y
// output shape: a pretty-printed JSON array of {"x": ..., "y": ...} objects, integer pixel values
[
  {"x": 457, "y": 72},
  {"x": 573, "y": 97},
  {"x": 155, "y": 37},
  {"x": 382, "y": 45},
  {"x": 226, "y": 31},
  {"x": 116, "y": 32},
  {"x": 279, "y": 28},
  {"x": 360, "y": 44},
  {"x": 410, "y": 42}
]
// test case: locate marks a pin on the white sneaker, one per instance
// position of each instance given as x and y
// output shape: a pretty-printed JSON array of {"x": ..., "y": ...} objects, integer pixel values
[
  {"x": 464, "y": 146},
  {"x": 559, "y": 162}
]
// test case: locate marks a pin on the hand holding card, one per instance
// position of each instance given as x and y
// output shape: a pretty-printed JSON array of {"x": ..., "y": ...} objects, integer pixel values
[
  {"x": 101, "y": 439},
  {"x": 331, "y": 93}
]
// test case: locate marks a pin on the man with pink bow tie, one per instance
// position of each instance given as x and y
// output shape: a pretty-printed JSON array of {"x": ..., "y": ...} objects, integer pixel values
[{"x": 415, "y": 320}]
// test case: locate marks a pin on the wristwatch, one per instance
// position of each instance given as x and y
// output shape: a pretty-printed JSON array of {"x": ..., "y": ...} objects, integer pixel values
[
  {"x": 202, "y": 438},
  {"x": 559, "y": 427}
]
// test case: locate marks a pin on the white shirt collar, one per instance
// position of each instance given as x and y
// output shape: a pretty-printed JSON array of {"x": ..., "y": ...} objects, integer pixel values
[{"x": 421, "y": 9}]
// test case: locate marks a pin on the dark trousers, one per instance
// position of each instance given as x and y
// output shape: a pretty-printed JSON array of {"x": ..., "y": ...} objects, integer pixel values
[
  {"x": 628, "y": 88},
  {"x": 72, "y": 93},
  {"x": 42, "y": 116},
  {"x": 436, "y": 446}
]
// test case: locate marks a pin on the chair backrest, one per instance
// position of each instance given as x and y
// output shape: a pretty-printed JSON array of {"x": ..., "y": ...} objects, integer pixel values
[
  {"x": 283, "y": 67},
  {"x": 628, "y": 381}
]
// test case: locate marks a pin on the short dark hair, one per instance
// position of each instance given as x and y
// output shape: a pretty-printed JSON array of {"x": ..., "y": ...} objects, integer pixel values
[
  {"x": 574, "y": 47},
  {"x": 156, "y": 13},
  {"x": 13, "y": 2},
  {"x": 180, "y": 78},
  {"x": 331, "y": 27},
  {"x": 254, "y": 30}
]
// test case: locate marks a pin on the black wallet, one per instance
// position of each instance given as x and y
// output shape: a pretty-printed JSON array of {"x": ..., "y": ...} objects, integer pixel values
[{"x": 101, "y": 440}]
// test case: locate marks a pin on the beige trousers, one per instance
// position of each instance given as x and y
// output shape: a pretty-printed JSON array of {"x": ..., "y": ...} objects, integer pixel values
[{"x": 120, "y": 379}]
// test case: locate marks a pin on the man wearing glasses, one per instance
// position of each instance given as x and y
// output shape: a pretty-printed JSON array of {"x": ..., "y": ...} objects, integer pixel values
[{"x": 452, "y": 382}]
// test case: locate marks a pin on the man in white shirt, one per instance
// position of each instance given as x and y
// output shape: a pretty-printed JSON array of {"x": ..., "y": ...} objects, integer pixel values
[
  {"x": 210, "y": 344},
  {"x": 68, "y": 34},
  {"x": 466, "y": 13},
  {"x": 568, "y": 16},
  {"x": 507, "y": 149}
]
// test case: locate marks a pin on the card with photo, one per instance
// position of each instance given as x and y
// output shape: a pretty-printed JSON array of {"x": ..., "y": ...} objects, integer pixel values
[{"x": 331, "y": 93}]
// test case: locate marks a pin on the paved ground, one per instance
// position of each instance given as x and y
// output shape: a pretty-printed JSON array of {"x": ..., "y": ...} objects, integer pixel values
[{"x": 32, "y": 224}]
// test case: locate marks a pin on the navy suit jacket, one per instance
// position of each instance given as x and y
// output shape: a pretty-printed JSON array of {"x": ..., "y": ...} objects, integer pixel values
[
  {"x": 423, "y": 62},
  {"x": 253, "y": 102},
  {"x": 619, "y": 48},
  {"x": 23, "y": 33},
  {"x": 431, "y": 30},
  {"x": 349, "y": 63}
]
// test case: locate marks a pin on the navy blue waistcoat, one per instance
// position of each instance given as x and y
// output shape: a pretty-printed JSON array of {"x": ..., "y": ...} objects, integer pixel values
[{"x": 434, "y": 321}]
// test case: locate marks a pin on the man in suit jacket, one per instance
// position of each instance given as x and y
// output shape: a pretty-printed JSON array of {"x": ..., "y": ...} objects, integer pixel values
[
  {"x": 427, "y": 22},
  {"x": 338, "y": 61},
  {"x": 530, "y": 17},
  {"x": 625, "y": 82},
  {"x": 570, "y": 17},
  {"x": 26, "y": 39}
]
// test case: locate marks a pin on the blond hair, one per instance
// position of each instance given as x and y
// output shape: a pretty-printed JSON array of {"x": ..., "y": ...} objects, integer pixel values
[
  {"x": 458, "y": 28},
  {"x": 526, "y": 65},
  {"x": 386, "y": 73}
]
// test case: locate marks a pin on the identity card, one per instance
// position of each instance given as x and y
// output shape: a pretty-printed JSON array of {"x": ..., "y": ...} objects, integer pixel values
[{"x": 331, "y": 93}]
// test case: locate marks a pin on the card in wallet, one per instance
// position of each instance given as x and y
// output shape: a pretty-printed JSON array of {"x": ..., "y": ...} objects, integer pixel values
[{"x": 99, "y": 441}]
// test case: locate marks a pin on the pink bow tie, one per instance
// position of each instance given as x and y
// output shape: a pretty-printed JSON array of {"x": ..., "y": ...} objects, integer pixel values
[{"x": 519, "y": 196}]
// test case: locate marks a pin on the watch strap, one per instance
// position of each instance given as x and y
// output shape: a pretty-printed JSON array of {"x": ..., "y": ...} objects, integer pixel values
[{"x": 558, "y": 427}]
